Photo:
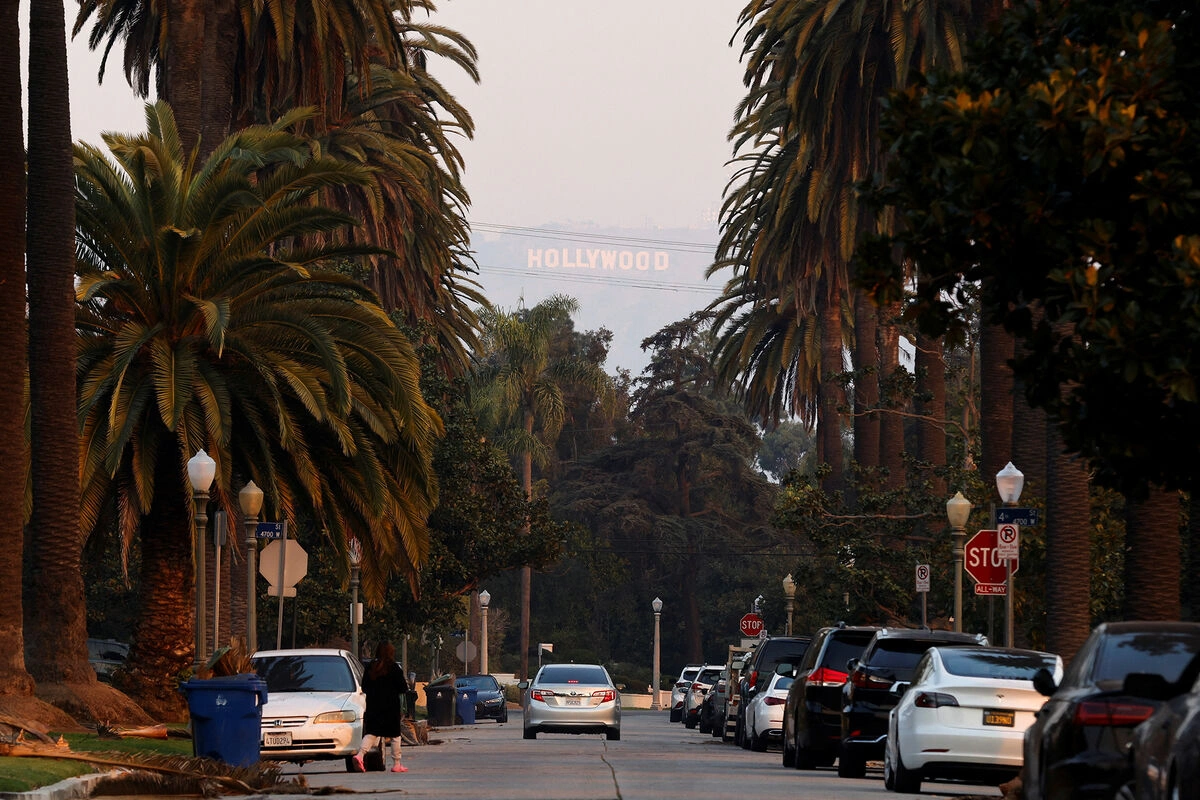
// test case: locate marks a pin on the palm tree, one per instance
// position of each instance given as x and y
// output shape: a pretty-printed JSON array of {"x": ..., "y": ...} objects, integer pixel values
[
  {"x": 520, "y": 384},
  {"x": 13, "y": 401},
  {"x": 206, "y": 322}
]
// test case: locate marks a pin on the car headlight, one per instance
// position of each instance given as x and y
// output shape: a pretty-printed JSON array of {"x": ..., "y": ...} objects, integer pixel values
[{"x": 349, "y": 715}]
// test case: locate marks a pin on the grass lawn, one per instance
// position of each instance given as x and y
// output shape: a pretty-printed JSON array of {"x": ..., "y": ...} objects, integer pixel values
[{"x": 23, "y": 773}]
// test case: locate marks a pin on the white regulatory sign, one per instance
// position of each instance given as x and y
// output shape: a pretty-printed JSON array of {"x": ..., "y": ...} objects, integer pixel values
[
  {"x": 1008, "y": 542},
  {"x": 922, "y": 577}
]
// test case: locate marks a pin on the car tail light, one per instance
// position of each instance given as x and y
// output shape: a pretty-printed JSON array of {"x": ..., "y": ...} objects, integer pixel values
[
  {"x": 934, "y": 700},
  {"x": 1112, "y": 713},
  {"x": 865, "y": 680},
  {"x": 698, "y": 687},
  {"x": 775, "y": 701},
  {"x": 827, "y": 677},
  {"x": 540, "y": 694},
  {"x": 752, "y": 679},
  {"x": 604, "y": 695}
]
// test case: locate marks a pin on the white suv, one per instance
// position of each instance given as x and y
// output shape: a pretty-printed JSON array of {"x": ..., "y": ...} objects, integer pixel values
[
  {"x": 680, "y": 690},
  {"x": 705, "y": 679}
]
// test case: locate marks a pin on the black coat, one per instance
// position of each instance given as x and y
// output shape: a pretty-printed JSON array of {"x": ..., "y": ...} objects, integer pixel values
[{"x": 385, "y": 696}]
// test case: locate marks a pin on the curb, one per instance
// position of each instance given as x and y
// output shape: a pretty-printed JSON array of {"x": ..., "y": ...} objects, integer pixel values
[{"x": 67, "y": 789}]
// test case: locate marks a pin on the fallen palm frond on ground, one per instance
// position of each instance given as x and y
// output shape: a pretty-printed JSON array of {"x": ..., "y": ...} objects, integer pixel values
[{"x": 202, "y": 775}]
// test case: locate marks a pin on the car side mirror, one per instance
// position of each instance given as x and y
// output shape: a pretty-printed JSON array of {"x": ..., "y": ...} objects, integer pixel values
[
  {"x": 899, "y": 688},
  {"x": 1043, "y": 682},
  {"x": 620, "y": 687},
  {"x": 851, "y": 665},
  {"x": 523, "y": 685},
  {"x": 784, "y": 669},
  {"x": 1150, "y": 685}
]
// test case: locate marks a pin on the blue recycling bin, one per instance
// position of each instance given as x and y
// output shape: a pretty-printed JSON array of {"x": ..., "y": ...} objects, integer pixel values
[
  {"x": 466, "y": 696},
  {"x": 227, "y": 717}
]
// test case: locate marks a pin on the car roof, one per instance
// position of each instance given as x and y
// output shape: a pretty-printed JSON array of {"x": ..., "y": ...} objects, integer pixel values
[
  {"x": 932, "y": 634},
  {"x": 1148, "y": 626},
  {"x": 303, "y": 651}
]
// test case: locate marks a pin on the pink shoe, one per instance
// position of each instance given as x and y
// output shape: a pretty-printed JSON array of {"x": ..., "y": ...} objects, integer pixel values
[
  {"x": 358, "y": 762},
  {"x": 398, "y": 767}
]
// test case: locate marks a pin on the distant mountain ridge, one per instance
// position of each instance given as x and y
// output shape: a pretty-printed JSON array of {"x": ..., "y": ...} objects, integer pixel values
[{"x": 633, "y": 281}]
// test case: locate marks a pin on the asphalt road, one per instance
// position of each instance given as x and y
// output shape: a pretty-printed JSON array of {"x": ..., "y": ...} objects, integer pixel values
[{"x": 654, "y": 760}]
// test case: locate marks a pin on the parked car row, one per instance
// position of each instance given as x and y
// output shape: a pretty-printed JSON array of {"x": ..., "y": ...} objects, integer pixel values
[{"x": 1122, "y": 722}]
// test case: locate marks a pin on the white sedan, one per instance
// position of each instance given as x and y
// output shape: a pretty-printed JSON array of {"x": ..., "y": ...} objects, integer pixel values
[
  {"x": 964, "y": 715},
  {"x": 764, "y": 714}
]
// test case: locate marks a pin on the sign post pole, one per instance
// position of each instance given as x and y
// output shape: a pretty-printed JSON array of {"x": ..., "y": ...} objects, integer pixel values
[{"x": 279, "y": 583}]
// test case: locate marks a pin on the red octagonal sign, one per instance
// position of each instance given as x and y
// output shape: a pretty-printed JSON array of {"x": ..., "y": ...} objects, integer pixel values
[
  {"x": 751, "y": 625},
  {"x": 982, "y": 564}
]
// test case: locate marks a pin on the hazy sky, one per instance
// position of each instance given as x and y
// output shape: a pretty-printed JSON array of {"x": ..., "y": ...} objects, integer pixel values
[{"x": 610, "y": 113}]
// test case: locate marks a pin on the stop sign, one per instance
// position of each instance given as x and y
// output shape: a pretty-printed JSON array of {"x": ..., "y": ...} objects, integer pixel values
[
  {"x": 751, "y": 625},
  {"x": 982, "y": 562},
  {"x": 295, "y": 561}
]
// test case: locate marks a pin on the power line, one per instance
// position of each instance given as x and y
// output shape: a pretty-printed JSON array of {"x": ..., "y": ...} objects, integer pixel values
[
  {"x": 580, "y": 277},
  {"x": 584, "y": 236}
]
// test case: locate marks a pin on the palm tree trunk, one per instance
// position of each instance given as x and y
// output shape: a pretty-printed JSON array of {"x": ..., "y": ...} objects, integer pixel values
[
  {"x": 996, "y": 399},
  {"x": 866, "y": 382},
  {"x": 526, "y": 571},
  {"x": 1190, "y": 590},
  {"x": 1068, "y": 548},
  {"x": 891, "y": 426},
  {"x": 14, "y": 678},
  {"x": 221, "y": 34},
  {"x": 1152, "y": 555},
  {"x": 832, "y": 397},
  {"x": 163, "y": 641},
  {"x": 55, "y": 615},
  {"x": 180, "y": 76},
  {"x": 930, "y": 405}
]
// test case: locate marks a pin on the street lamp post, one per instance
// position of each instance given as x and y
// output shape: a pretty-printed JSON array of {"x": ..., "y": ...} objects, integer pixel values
[
  {"x": 354, "y": 553},
  {"x": 250, "y": 499},
  {"x": 1009, "y": 483},
  {"x": 789, "y": 596},
  {"x": 656, "y": 678},
  {"x": 484, "y": 599},
  {"x": 958, "y": 508},
  {"x": 201, "y": 471}
]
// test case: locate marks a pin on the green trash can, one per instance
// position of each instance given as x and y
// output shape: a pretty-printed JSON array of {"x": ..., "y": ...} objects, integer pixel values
[
  {"x": 439, "y": 702},
  {"x": 226, "y": 717}
]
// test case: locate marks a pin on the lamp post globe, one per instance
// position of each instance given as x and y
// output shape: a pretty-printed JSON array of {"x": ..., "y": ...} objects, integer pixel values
[
  {"x": 789, "y": 596},
  {"x": 250, "y": 500},
  {"x": 201, "y": 469},
  {"x": 656, "y": 678}
]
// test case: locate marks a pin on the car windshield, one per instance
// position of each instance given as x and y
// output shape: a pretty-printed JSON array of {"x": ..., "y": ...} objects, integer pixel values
[
  {"x": 1165, "y": 653},
  {"x": 478, "y": 682},
  {"x": 305, "y": 673},
  {"x": 573, "y": 673},
  {"x": 993, "y": 664},
  {"x": 898, "y": 657}
]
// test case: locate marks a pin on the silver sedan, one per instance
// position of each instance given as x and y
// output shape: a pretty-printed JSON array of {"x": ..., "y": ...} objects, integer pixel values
[{"x": 571, "y": 698}]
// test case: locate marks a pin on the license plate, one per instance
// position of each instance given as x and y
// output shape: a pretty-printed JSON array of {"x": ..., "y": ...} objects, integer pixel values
[
  {"x": 1002, "y": 718},
  {"x": 573, "y": 701},
  {"x": 280, "y": 739}
]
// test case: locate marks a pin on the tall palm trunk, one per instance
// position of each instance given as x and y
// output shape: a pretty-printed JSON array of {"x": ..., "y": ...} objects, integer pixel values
[
  {"x": 14, "y": 679},
  {"x": 1068, "y": 547},
  {"x": 930, "y": 405},
  {"x": 163, "y": 640},
  {"x": 891, "y": 425},
  {"x": 55, "y": 615},
  {"x": 526, "y": 571},
  {"x": 1152, "y": 555},
  {"x": 1189, "y": 593},
  {"x": 866, "y": 382},
  {"x": 996, "y": 399},
  {"x": 180, "y": 77},
  {"x": 832, "y": 396}
]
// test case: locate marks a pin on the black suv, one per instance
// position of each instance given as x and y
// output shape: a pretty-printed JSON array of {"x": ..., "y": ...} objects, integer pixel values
[
  {"x": 867, "y": 696},
  {"x": 768, "y": 655},
  {"x": 812, "y": 718}
]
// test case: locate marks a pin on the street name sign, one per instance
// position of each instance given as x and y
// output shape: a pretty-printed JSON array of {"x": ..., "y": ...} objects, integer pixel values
[
  {"x": 269, "y": 530},
  {"x": 1025, "y": 517}
]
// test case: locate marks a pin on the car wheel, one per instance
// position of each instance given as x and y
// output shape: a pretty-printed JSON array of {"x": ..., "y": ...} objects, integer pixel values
[
  {"x": 904, "y": 781},
  {"x": 690, "y": 723},
  {"x": 850, "y": 765},
  {"x": 789, "y": 753},
  {"x": 805, "y": 758},
  {"x": 889, "y": 770},
  {"x": 705, "y": 726},
  {"x": 530, "y": 733},
  {"x": 613, "y": 734},
  {"x": 675, "y": 715},
  {"x": 747, "y": 738},
  {"x": 758, "y": 744},
  {"x": 503, "y": 716}
]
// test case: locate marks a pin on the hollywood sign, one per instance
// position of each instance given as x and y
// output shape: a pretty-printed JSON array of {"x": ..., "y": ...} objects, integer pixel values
[{"x": 588, "y": 258}]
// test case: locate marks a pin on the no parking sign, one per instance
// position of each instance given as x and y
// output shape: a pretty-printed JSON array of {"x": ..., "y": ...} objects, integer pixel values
[{"x": 922, "y": 577}]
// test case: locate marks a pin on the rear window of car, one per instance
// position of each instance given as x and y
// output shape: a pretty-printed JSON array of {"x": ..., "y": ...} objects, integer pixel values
[
  {"x": 305, "y": 673},
  {"x": 782, "y": 653},
  {"x": 708, "y": 676},
  {"x": 1165, "y": 653},
  {"x": 1002, "y": 666},
  {"x": 570, "y": 673},
  {"x": 689, "y": 674},
  {"x": 898, "y": 656},
  {"x": 844, "y": 646}
]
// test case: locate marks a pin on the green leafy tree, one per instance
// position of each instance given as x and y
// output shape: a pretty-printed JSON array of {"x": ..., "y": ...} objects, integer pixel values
[{"x": 206, "y": 322}]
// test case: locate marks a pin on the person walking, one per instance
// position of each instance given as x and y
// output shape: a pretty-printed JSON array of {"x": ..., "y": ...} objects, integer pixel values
[{"x": 385, "y": 687}]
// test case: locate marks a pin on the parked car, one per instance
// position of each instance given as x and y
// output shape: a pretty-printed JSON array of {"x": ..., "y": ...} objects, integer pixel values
[
  {"x": 964, "y": 716},
  {"x": 764, "y": 662},
  {"x": 1077, "y": 747},
  {"x": 571, "y": 698},
  {"x": 106, "y": 656},
  {"x": 315, "y": 705},
  {"x": 679, "y": 690},
  {"x": 712, "y": 709},
  {"x": 812, "y": 716},
  {"x": 1165, "y": 752},
  {"x": 764, "y": 714},
  {"x": 489, "y": 696},
  {"x": 705, "y": 679},
  {"x": 867, "y": 699}
]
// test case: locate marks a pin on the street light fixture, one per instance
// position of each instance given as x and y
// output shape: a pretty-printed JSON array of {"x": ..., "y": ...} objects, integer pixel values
[
  {"x": 485, "y": 598},
  {"x": 789, "y": 595},
  {"x": 958, "y": 508},
  {"x": 656, "y": 678},
  {"x": 250, "y": 499},
  {"x": 1009, "y": 483},
  {"x": 354, "y": 553},
  {"x": 201, "y": 471}
]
